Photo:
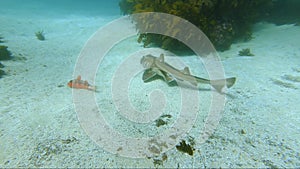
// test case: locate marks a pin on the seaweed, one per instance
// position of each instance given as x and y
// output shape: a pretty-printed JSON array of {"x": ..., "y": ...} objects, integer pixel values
[
  {"x": 160, "y": 161},
  {"x": 5, "y": 54},
  {"x": 157, "y": 162},
  {"x": 40, "y": 35},
  {"x": 185, "y": 148},
  {"x": 245, "y": 52},
  {"x": 2, "y": 73},
  {"x": 224, "y": 22},
  {"x": 162, "y": 120},
  {"x": 242, "y": 131},
  {"x": 1, "y": 39}
]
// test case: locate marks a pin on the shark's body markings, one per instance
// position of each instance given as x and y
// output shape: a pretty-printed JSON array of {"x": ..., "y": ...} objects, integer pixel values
[{"x": 157, "y": 66}]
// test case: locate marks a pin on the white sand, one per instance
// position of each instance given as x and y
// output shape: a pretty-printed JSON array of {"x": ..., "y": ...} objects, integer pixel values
[{"x": 37, "y": 117}]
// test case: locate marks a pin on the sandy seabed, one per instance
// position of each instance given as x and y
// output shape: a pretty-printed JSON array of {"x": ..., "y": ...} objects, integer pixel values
[{"x": 39, "y": 125}]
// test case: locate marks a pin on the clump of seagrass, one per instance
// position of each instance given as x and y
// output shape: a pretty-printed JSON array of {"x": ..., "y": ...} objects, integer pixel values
[
  {"x": 5, "y": 54},
  {"x": 40, "y": 35},
  {"x": 246, "y": 52},
  {"x": 1, "y": 39}
]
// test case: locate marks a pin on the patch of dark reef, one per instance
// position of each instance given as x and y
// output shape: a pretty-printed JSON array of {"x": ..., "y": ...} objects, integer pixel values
[
  {"x": 1, "y": 39},
  {"x": 5, "y": 54},
  {"x": 223, "y": 22},
  {"x": 285, "y": 12}
]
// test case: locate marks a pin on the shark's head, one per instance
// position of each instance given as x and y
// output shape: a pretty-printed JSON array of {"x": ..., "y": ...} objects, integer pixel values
[{"x": 148, "y": 61}]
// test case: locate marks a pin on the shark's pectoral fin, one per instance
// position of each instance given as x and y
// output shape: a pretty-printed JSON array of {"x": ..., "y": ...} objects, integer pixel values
[
  {"x": 167, "y": 77},
  {"x": 148, "y": 75}
]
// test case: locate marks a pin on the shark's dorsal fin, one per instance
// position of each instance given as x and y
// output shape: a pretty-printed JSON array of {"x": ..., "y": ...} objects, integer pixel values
[
  {"x": 161, "y": 58},
  {"x": 167, "y": 77},
  {"x": 186, "y": 71}
]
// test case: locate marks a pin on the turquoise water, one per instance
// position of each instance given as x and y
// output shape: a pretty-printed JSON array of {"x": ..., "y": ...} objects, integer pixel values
[
  {"x": 129, "y": 123},
  {"x": 66, "y": 7}
]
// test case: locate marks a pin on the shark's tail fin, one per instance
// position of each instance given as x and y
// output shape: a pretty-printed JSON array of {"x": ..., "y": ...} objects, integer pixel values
[{"x": 219, "y": 84}]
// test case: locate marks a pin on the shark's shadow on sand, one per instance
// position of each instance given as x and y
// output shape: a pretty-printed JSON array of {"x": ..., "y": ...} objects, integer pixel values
[{"x": 187, "y": 86}]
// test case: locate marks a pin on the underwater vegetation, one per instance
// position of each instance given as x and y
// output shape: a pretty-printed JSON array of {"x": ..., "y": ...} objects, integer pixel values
[
  {"x": 160, "y": 160},
  {"x": 2, "y": 72},
  {"x": 1, "y": 65},
  {"x": 1, "y": 39},
  {"x": 245, "y": 52},
  {"x": 185, "y": 148},
  {"x": 162, "y": 120},
  {"x": 5, "y": 54},
  {"x": 285, "y": 12},
  {"x": 40, "y": 35},
  {"x": 223, "y": 21}
]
